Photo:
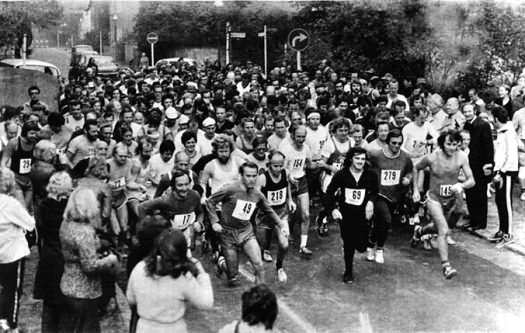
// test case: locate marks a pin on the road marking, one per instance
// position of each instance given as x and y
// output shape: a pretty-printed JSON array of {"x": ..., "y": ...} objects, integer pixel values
[
  {"x": 366, "y": 327},
  {"x": 297, "y": 319}
]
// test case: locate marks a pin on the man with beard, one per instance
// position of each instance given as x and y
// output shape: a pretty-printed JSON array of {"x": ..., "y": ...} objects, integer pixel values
[
  {"x": 83, "y": 145},
  {"x": 182, "y": 207},
  {"x": 19, "y": 151}
]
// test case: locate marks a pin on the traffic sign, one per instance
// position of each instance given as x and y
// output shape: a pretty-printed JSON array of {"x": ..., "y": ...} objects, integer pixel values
[
  {"x": 298, "y": 39},
  {"x": 152, "y": 38},
  {"x": 238, "y": 34}
]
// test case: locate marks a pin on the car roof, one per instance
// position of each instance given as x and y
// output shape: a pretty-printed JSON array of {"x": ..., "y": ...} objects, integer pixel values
[
  {"x": 28, "y": 62},
  {"x": 188, "y": 60}
]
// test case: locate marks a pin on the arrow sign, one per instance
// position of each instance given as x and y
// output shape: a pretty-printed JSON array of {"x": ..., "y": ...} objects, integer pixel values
[{"x": 298, "y": 39}]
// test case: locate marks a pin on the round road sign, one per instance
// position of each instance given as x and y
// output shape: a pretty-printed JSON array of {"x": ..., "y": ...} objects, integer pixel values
[
  {"x": 152, "y": 38},
  {"x": 298, "y": 39}
]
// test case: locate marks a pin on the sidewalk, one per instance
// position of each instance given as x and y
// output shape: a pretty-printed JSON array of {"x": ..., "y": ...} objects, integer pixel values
[
  {"x": 518, "y": 226},
  {"x": 31, "y": 309}
]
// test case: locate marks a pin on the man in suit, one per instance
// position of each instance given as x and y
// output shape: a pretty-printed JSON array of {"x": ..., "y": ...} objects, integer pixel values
[{"x": 481, "y": 160}]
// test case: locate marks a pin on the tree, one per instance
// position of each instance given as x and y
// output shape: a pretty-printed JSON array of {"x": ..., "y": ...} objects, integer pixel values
[
  {"x": 18, "y": 17},
  {"x": 182, "y": 24}
]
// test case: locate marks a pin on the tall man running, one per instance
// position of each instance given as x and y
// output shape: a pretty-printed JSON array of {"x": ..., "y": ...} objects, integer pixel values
[
  {"x": 276, "y": 187},
  {"x": 239, "y": 201},
  {"x": 394, "y": 169},
  {"x": 444, "y": 193},
  {"x": 298, "y": 158}
]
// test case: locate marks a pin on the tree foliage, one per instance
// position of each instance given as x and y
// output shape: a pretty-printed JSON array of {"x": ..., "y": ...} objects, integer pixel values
[
  {"x": 192, "y": 24},
  {"x": 17, "y": 18}
]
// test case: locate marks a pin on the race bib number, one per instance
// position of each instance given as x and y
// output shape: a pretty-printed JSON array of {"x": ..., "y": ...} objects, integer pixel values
[
  {"x": 182, "y": 221},
  {"x": 25, "y": 165},
  {"x": 116, "y": 184},
  {"x": 390, "y": 177},
  {"x": 243, "y": 210},
  {"x": 297, "y": 164},
  {"x": 354, "y": 196},
  {"x": 445, "y": 191},
  {"x": 277, "y": 198}
]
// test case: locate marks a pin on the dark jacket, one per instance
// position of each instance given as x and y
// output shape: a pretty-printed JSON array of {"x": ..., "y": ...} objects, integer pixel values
[
  {"x": 481, "y": 144},
  {"x": 51, "y": 262}
]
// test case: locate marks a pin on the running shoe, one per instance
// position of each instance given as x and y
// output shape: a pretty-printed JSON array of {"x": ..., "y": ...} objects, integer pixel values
[
  {"x": 266, "y": 256},
  {"x": 304, "y": 250},
  {"x": 427, "y": 245},
  {"x": 451, "y": 241},
  {"x": 449, "y": 272},
  {"x": 506, "y": 240},
  {"x": 220, "y": 267},
  {"x": 347, "y": 278},
  {"x": 370, "y": 254},
  {"x": 234, "y": 282},
  {"x": 522, "y": 196},
  {"x": 497, "y": 237},
  {"x": 322, "y": 227},
  {"x": 281, "y": 275},
  {"x": 416, "y": 237},
  {"x": 380, "y": 259}
]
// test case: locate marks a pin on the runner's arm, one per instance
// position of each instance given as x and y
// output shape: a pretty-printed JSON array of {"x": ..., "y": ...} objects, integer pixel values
[
  {"x": 8, "y": 152},
  {"x": 470, "y": 182},
  {"x": 423, "y": 163},
  {"x": 268, "y": 211},
  {"x": 149, "y": 206},
  {"x": 213, "y": 201}
]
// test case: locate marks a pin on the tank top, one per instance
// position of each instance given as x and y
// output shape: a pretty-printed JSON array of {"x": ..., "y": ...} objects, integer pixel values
[
  {"x": 21, "y": 160},
  {"x": 337, "y": 158},
  {"x": 275, "y": 193},
  {"x": 441, "y": 188},
  {"x": 221, "y": 177},
  {"x": 247, "y": 150}
]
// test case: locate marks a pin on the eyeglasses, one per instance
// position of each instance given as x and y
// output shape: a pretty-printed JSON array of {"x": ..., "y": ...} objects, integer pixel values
[
  {"x": 396, "y": 143},
  {"x": 260, "y": 149}
]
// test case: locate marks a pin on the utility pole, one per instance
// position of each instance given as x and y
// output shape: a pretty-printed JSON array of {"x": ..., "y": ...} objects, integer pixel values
[
  {"x": 265, "y": 52},
  {"x": 100, "y": 41},
  {"x": 228, "y": 28}
]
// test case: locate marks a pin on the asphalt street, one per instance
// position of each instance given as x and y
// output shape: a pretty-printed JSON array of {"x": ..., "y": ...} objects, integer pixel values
[{"x": 406, "y": 294}]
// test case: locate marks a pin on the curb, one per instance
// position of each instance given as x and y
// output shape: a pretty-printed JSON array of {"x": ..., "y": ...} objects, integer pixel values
[{"x": 516, "y": 248}]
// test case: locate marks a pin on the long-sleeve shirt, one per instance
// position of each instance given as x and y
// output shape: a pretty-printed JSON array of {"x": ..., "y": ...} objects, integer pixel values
[
  {"x": 238, "y": 206},
  {"x": 161, "y": 300},
  {"x": 14, "y": 221},
  {"x": 506, "y": 150},
  {"x": 354, "y": 193}
]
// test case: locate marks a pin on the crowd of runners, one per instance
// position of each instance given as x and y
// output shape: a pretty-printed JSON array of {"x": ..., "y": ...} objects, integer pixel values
[{"x": 230, "y": 160}]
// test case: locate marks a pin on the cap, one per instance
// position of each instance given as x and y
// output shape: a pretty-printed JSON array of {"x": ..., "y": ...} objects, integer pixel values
[
  {"x": 171, "y": 113},
  {"x": 183, "y": 119},
  {"x": 208, "y": 122}
]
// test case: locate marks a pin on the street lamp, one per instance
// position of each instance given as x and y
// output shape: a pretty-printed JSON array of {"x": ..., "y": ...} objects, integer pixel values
[{"x": 115, "y": 19}]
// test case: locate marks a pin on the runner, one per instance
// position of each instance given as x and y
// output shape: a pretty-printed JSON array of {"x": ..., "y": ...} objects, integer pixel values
[
  {"x": 394, "y": 170},
  {"x": 333, "y": 155},
  {"x": 139, "y": 175},
  {"x": 19, "y": 153},
  {"x": 182, "y": 206},
  {"x": 444, "y": 194},
  {"x": 276, "y": 188},
  {"x": 358, "y": 187},
  {"x": 298, "y": 158},
  {"x": 239, "y": 201}
]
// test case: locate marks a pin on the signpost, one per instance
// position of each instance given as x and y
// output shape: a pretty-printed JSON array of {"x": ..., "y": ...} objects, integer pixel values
[
  {"x": 152, "y": 38},
  {"x": 298, "y": 40}
]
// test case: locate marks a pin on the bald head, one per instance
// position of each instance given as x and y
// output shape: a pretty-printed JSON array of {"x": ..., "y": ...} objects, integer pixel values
[{"x": 452, "y": 105}]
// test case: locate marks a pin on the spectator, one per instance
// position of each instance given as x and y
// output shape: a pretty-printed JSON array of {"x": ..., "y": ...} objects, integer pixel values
[
  {"x": 259, "y": 311},
  {"x": 160, "y": 285}
]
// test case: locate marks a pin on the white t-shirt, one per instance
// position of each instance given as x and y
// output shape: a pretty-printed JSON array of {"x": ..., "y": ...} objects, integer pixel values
[
  {"x": 295, "y": 162},
  {"x": 331, "y": 145},
  {"x": 415, "y": 138},
  {"x": 316, "y": 139}
]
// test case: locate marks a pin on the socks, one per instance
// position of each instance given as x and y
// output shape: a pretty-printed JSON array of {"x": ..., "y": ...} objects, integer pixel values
[{"x": 304, "y": 240}]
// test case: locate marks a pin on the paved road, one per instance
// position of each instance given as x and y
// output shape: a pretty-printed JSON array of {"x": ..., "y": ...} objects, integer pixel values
[{"x": 59, "y": 57}]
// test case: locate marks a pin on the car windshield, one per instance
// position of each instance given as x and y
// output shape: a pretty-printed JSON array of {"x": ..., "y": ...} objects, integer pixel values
[{"x": 40, "y": 68}]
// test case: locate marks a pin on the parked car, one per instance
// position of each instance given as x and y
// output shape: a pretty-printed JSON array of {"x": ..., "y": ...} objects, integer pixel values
[
  {"x": 32, "y": 64},
  {"x": 170, "y": 61},
  {"x": 106, "y": 65},
  {"x": 84, "y": 57},
  {"x": 76, "y": 52}
]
